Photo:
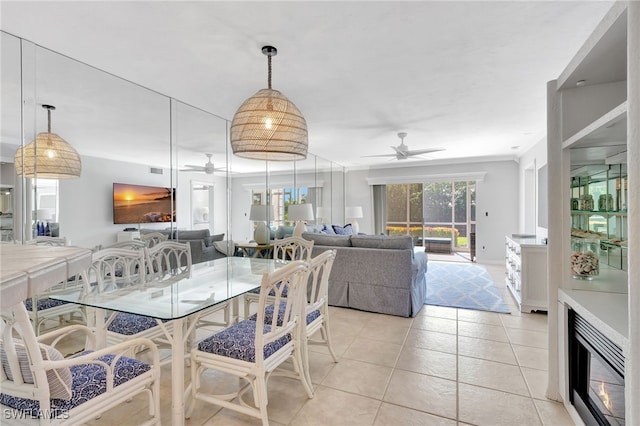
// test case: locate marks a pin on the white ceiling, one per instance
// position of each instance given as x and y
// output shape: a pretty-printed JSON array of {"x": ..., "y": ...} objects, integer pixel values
[{"x": 468, "y": 76}]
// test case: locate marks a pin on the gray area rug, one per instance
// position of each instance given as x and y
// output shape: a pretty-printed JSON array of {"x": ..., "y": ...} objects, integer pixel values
[{"x": 463, "y": 285}]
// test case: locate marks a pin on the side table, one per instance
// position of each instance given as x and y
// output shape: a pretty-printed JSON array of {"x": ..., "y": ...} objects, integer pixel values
[{"x": 263, "y": 251}]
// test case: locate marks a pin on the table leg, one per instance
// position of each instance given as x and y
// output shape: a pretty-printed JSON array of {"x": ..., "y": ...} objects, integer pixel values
[
  {"x": 96, "y": 322},
  {"x": 177, "y": 373}
]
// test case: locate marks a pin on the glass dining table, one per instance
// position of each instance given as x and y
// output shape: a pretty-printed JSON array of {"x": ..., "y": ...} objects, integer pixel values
[{"x": 183, "y": 301}]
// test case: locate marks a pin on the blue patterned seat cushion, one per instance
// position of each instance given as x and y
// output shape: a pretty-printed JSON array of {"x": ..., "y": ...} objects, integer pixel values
[
  {"x": 44, "y": 303},
  {"x": 130, "y": 324},
  {"x": 268, "y": 315},
  {"x": 238, "y": 342},
  {"x": 285, "y": 291},
  {"x": 89, "y": 381}
]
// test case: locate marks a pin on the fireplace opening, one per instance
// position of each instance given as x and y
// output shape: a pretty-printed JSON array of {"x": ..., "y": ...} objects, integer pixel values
[{"x": 596, "y": 374}]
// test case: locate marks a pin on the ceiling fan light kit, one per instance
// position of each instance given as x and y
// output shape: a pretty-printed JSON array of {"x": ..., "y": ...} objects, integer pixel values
[
  {"x": 208, "y": 167},
  {"x": 48, "y": 156},
  {"x": 268, "y": 126}
]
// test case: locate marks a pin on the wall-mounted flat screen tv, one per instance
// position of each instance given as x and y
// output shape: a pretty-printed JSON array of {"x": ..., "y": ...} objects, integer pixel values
[{"x": 142, "y": 204}]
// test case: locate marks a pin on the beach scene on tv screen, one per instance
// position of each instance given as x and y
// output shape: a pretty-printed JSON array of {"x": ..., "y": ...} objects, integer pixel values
[{"x": 141, "y": 204}]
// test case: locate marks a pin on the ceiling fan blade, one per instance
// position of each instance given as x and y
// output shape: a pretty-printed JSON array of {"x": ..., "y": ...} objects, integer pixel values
[
  {"x": 423, "y": 151},
  {"x": 379, "y": 155},
  {"x": 194, "y": 167}
]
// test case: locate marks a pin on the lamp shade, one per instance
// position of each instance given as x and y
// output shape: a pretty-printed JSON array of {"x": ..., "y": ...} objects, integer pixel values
[
  {"x": 268, "y": 126},
  {"x": 353, "y": 212},
  {"x": 48, "y": 157},
  {"x": 261, "y": 213},
  {"x": 299, "y": 212}
]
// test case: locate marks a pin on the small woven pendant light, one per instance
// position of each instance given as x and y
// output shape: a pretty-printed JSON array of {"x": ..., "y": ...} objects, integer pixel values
[
  {"x": 48, "y": 156},
  {"x": 268, "y": 126}
]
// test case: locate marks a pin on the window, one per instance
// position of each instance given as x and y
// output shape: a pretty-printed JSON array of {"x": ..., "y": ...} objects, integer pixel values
[
  {"x": 281, "y": 198},
  {"x": 435, "y": 209}
]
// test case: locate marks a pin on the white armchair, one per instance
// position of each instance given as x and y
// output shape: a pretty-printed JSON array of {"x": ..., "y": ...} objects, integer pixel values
[{"x": 37, "y": 382}]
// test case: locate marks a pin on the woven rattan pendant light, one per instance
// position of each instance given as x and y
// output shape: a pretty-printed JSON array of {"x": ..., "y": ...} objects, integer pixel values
[
  {"x": 48, "y": 156},
  {"x": 268, "y": 126}
]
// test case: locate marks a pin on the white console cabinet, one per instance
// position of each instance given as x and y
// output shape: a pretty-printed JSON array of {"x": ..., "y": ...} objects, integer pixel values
[
  {"x": 526, "y": 276},
  {"x": 127, "y": 236}
]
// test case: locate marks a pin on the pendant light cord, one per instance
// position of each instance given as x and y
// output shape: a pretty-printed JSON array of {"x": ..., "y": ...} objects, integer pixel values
[{"x": 269, "y": 71}]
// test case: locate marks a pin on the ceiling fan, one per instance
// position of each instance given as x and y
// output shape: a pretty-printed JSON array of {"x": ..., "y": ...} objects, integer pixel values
[
  {"x": 208, "y": 167},
  {"x": 402, "y": 151}
]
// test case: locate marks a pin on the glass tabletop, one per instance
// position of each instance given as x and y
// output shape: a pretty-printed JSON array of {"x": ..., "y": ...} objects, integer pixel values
[{"x": 210, "y": 283}]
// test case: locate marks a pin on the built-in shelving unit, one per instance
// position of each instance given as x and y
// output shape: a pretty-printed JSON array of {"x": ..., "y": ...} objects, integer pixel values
[
  {"x": 593, "y": 123},
  {"x": 526, "y": 275}
]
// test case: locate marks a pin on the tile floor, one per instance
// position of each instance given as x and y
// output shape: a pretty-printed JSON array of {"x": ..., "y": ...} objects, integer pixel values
[{"x": 444, "y": 367}]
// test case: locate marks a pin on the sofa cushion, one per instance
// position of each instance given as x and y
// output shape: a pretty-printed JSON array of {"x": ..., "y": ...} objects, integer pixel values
[
  {"x": 343, "y": 230},
  {"x": 382, "y": 241},
  {"x": 208, "y": 241},
  {"x": 197, "y": 234},
  {"x": 328, "y": 240}
]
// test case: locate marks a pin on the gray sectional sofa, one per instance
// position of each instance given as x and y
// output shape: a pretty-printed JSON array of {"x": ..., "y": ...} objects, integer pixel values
[
  {"x": 374, "y": 273},
  {"x": 202, "y": 242}
]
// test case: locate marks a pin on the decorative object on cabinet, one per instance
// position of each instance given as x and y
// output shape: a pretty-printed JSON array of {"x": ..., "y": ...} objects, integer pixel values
[
  {"x": 585, "y": 263},
  {"x": 526, "y": 262},
  {"x": 268, "y": 126}
]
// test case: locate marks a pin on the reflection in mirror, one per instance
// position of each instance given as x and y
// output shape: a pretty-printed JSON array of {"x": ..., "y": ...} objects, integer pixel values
[
  {"x": 125, "y": 133},
  {"x": 199, "y": 159}
]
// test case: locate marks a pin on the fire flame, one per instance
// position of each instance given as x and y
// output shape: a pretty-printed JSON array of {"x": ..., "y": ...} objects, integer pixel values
[{"x": 605, "y": 396}]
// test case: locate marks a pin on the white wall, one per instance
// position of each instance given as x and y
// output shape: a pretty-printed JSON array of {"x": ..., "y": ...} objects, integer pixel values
[
  {"x": 496, "y": 199},
  {"x": 535, "y": 157},
  {"x": 86, "y": 204}
]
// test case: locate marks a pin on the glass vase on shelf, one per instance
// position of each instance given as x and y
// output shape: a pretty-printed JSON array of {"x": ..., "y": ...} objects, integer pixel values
[{"x": 585, "y": 264}]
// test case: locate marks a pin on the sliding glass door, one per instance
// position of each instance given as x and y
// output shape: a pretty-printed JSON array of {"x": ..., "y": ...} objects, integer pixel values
[{"x": 434, "y": 209}]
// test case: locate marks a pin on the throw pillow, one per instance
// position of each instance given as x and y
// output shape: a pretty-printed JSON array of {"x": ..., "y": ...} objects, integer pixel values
[
  {"x": 343, "y": 230},
  {"x": 225, "y": 247},
  {"x": 60, "y": 379},
  {"x": 327, "y": 230}
]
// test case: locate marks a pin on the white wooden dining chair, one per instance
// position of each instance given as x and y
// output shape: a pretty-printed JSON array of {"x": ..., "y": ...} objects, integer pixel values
[
  {"x": 41, "y": 307},
  {"x": 129, "y": 244},
  {"x": 47, "y": 241},
  {"x": 252, "y": 350},
  {"x": 169, "y": 260},
  {"x": 153, "y": 238},
  {"x": 317, "y": 308},
  {"x": 291, "y": 248},
  {"x": 315, "y": 328},
  {"x": 166, "y": 262},
  {"x": 39, "y": 386}
]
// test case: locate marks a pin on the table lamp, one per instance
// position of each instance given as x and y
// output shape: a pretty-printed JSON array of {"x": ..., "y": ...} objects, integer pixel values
[
  {"x": 260, "y": 214},
  {"x": 300, "y": 213},
  {"x": 354, "y": 213}
]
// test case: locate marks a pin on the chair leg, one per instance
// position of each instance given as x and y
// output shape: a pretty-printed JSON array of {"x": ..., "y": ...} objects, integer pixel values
[
  {"x": 301, "y": 364},
  {"x": 260, "y": 384},
  {"x": 324, "y": 330},
  {"x": 305, "y": 366}
]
